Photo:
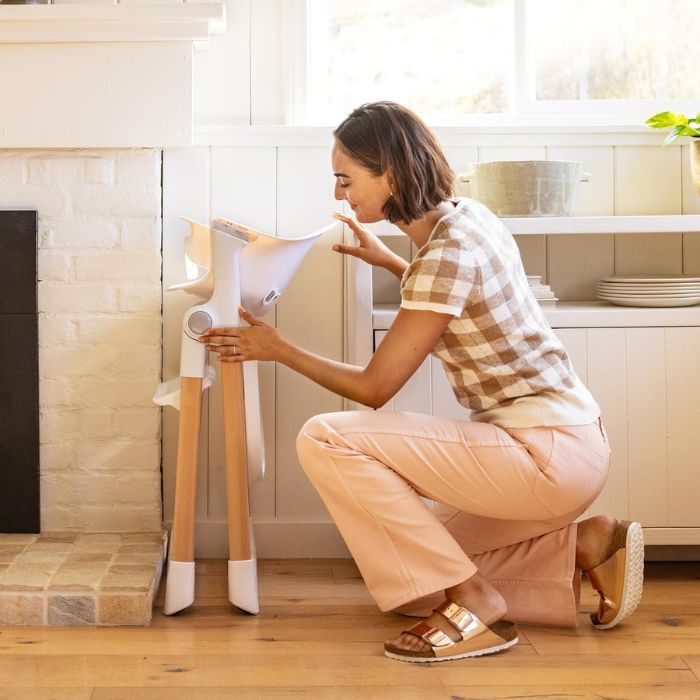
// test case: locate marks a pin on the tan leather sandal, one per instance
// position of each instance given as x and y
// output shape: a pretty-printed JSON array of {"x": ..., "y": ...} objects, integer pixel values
[
  {"x": 476, "y": 638},
  {"x": 619, "y": 578}
]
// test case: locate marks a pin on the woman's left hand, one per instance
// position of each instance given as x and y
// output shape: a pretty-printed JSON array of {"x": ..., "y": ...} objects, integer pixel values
[{"x": 258, "y": 341}]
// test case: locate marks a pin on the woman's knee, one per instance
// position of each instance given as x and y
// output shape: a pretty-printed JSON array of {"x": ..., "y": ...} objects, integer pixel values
[
  {"x": 319, "y": 433},
  {"x": 312, "y": 437}
]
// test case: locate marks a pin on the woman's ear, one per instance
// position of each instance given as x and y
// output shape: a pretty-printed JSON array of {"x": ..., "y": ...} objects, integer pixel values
[{"x": 390, "y": 181}]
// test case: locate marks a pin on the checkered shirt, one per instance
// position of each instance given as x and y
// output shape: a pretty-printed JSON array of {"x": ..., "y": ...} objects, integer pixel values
[{"x": 499, "y": 345}]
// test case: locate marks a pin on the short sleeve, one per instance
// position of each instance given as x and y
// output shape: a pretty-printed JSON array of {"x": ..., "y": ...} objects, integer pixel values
[{"x": 439, "y": 278}]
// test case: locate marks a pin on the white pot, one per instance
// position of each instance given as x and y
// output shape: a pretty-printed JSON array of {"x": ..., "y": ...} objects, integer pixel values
[{"x": 526, "y": 187}]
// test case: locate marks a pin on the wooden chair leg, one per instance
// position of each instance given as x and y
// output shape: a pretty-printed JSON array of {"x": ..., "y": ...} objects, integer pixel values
[
  {"x": 179, "y": 591},
  {"x": 243, "y": 585}
]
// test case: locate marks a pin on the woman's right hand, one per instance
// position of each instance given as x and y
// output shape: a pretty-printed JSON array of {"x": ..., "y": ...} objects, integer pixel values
[{"x": 371, "y": 248}]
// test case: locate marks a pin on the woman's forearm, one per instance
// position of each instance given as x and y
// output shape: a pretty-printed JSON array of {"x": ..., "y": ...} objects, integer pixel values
[
  {"x": 346, "y": 380},
  {"x": 397, "y": 266}
]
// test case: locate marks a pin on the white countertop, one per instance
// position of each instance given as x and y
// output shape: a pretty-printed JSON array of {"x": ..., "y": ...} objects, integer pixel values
[{"x": 585, "y": 314}]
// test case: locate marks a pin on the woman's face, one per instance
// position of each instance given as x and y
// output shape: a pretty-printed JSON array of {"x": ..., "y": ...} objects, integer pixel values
[{"x": 366, "y": 193}]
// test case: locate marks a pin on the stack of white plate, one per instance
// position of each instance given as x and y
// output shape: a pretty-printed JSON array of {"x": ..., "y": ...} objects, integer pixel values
[
  {"x": 543, "y": 292},
  {"x": 650, "y": 290}
]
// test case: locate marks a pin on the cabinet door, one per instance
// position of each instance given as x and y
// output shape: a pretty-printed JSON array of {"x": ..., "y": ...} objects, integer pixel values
[
  {"x": 607, "y": 381},
  {"x": 682, "y": 421},
  {"x": 646, "y": 425},
  {"x": 443, "y": 398}
]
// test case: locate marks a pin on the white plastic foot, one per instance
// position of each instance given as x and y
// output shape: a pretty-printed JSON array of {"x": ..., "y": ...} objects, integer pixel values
[
  {"x": 179, "y": 586},
  {"x": 243, "y": 585}
]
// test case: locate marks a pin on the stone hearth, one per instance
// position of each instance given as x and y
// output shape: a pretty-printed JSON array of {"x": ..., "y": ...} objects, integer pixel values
[{"x": 71, "y": 578}]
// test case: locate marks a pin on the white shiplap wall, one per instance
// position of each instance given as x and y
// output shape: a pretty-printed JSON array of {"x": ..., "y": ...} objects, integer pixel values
[
  {"x": 278, "y": 179},
  {"x": 282, "y": 183}
]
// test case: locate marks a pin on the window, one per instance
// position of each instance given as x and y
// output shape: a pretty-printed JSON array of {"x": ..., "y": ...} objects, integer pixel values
[{"x": 498, "y": 61}]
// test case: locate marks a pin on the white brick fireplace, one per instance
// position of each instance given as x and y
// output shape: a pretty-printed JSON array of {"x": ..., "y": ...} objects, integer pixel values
[
  {"x": 91, "y": 94},
  {"x": 99, "y": 293}
]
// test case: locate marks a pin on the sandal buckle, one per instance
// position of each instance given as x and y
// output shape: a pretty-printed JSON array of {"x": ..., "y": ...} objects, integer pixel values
[{"x": 459, "y": 617}]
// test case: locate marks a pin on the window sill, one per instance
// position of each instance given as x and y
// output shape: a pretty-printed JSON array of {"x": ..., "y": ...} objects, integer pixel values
[{"x": 228, "y": 134}]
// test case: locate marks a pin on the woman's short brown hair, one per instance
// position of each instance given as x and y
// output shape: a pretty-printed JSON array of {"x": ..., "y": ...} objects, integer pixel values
[{"x": 386, "y": 136}]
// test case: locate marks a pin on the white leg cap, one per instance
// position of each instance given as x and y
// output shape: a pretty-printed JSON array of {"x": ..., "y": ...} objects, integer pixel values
[
  {"x": 243, "y": 585},
  {"x": 179, "y": 586}
]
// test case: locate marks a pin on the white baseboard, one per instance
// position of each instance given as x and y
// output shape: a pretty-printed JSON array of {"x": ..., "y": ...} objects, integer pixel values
[
  {"x": 279, "y": 539},
  {"x": 275, "y": 539}
]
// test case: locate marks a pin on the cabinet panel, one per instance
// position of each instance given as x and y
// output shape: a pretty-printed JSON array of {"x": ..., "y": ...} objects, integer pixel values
[
  {"x": 608, "y": 384},
  {"x": 683, "y": 419},
  {"x": 574, "y": 340},
  {"x": 646, "y": 425},
  {"x": 443, "y": 398},
  {"x": 309, "y": 313}
]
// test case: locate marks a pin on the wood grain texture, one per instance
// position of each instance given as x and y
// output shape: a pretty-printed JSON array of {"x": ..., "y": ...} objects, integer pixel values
[
  {"x": 182, "y": 537},
  {"x": 236, "y": 462},
  {"x": 319, "y": 635}
]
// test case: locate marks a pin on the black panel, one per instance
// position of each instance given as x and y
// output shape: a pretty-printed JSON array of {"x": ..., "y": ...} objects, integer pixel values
[
  {"x": 18, "y": 262},
  {"x": 19, "y": 374}
]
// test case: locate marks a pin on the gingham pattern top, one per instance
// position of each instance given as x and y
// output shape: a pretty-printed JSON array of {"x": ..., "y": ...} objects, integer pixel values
[{"x": 502, "y": 359}]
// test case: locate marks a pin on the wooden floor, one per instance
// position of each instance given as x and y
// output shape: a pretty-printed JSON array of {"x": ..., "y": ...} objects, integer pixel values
[{"x": 319, "y": 636}]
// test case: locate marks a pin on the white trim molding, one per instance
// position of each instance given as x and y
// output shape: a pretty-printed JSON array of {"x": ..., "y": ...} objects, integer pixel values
[
  {"x": 100, "y": 76},
  {"x": 21, "y": 24}
]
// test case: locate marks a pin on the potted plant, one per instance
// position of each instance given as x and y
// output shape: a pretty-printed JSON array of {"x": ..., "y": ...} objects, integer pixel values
[{"x": 682, "y": 126}]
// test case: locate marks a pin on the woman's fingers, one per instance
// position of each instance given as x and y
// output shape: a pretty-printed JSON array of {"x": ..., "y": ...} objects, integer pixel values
[
  {"x": 248, "y": 318},
  {"x": 347, "y": 249},
  {"x": 222, "y": 340},
  {"x": 358, "y": 230}
]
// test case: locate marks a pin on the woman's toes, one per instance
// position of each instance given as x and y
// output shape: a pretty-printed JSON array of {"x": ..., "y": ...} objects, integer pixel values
[{"x": 409, "y": 642}]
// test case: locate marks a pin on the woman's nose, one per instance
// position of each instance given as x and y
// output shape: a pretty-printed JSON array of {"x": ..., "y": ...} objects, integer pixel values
[{"x": 338, "y": 192}]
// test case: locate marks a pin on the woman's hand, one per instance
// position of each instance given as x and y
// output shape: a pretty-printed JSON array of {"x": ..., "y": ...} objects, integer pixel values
[
  {"x": 258, "y": 341},
  {"x": 371, "y": 248}
]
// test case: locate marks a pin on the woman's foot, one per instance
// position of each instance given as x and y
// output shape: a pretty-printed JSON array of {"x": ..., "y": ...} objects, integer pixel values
[
  {"x": 475, "y": 594},
  {"x": 594, "y": 541},
  {"x": 612, "y": 554}
]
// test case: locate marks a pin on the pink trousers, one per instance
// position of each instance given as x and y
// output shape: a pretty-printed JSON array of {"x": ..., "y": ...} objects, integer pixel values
[{"x": 506, "y": 501}]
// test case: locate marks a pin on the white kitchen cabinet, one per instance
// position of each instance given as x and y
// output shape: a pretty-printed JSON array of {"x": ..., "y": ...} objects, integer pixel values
[{"x": 642, "y": 365}]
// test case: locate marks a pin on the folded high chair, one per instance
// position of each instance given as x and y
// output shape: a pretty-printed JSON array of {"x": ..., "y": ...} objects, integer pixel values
[{"x": 241, "y": 267}]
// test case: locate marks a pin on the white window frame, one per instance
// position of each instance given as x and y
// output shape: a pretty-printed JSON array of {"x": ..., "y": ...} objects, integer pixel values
[{"x": 304, "y": 105}]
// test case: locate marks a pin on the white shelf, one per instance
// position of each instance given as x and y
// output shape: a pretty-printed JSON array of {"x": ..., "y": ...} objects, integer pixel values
[
  {"x": 532, "y": 225},
  {"x": 660, "y": 223},
  {"x": 585, "y": 314}
]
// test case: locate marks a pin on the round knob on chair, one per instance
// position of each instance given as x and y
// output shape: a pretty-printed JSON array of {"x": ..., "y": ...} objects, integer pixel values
[{"x": 199, "y": 322}]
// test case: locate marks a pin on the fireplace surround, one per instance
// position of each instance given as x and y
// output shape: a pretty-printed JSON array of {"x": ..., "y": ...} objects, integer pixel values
[{"x": 118, "y": 80}]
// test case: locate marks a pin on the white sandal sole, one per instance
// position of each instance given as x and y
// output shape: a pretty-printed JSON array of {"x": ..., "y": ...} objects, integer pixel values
[
  {"x": 465, "y": 655},
  {"x": 634, "y": 576}
]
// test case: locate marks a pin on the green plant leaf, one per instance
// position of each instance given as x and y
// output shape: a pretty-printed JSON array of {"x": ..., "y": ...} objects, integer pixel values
[
  {"x": 662, "y": 120},
  {"x": 677, "y": 131}
]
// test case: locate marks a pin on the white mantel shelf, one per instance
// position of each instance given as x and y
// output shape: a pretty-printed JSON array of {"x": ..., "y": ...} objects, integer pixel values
[
  {"x": 101, "y": 75},
  {"x": 113, "y": 22},
  {"x": 585, "y": 314}
]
